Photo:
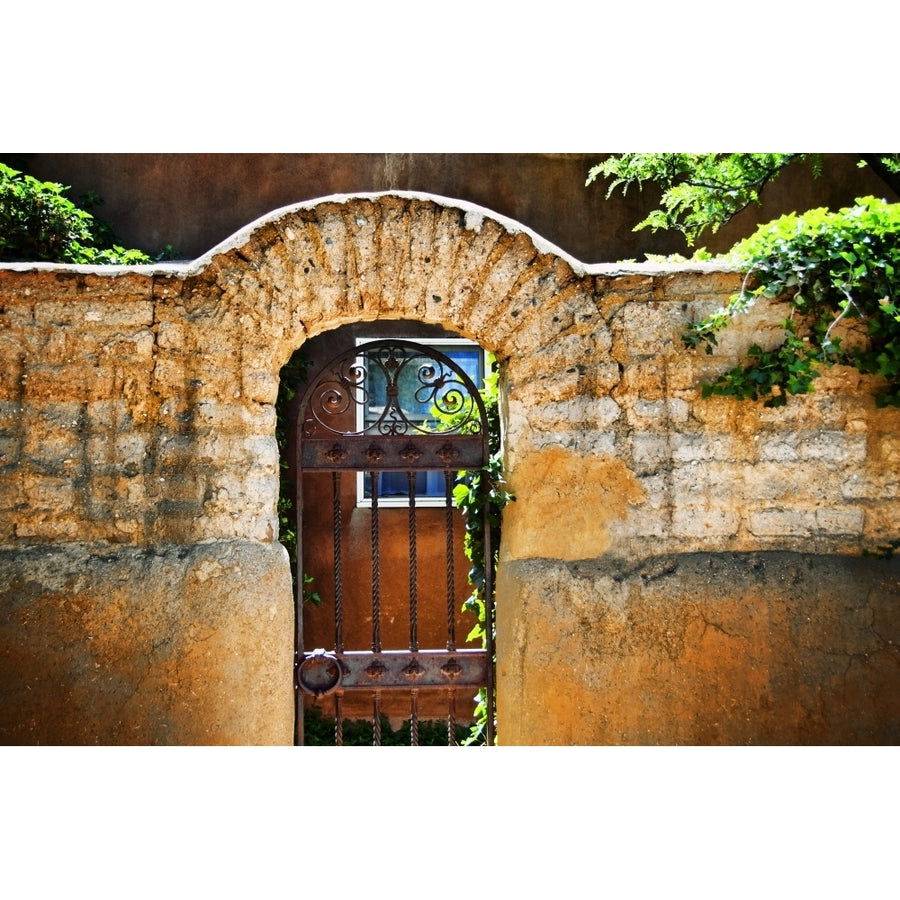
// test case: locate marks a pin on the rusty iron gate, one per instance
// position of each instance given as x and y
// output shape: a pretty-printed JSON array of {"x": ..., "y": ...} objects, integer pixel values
[{"x": 389, "y": 410}]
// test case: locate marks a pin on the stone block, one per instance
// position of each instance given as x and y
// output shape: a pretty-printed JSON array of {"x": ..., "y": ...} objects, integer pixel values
[
  {"x": 94, "y": 314},
  {"x": 783, "y": 521},
  {"x": 705, "y": 522},
  {"x": 840, "y": 521}
]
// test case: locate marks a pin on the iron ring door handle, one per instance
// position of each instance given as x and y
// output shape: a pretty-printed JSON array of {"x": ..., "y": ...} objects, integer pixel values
[{"x": 320, "y": 673}]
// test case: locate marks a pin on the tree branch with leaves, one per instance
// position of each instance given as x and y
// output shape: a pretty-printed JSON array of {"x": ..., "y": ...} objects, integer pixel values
[{"x": 831, "y": 267}]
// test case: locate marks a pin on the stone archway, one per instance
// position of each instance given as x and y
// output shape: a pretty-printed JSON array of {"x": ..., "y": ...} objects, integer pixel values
[
  {"x": 311, "y": 269},
  {"x": 315, "y": 267}
]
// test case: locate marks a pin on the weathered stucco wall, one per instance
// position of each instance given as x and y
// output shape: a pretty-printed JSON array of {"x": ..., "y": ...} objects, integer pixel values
[
  {"x": 112, "y": 644},
  {"x": 674, "y": 569}
]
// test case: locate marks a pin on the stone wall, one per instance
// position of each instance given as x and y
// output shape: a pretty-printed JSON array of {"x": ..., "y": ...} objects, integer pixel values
[{"x": 674, "y": 569}]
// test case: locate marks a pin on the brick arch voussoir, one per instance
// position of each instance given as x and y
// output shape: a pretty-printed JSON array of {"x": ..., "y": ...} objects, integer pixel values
[{"x": 317, "y": 266}]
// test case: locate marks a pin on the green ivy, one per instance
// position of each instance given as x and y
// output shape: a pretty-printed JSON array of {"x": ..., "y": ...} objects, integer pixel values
[
  {"x": 319, "y": 731},
  {"x": 772, "y": 375},
  {"x": 292, "y": 377},
  {"x": 700, "y": 191},
  {"x": 477, "y": 491},
  {"x": 830, "y": 267},
  {"x": 38, "y": 223}
]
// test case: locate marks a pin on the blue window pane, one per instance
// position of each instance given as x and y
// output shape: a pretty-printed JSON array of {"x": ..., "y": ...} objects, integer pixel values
[{"x": 396, "y": 484}]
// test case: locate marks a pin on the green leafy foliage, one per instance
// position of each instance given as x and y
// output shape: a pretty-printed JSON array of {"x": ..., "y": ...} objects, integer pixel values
[
  {"x": 38, "y": 223},
  {"x": 772, "y": 375},
  {"x": 885, "y": 165},
  {"x": 319, "y": 731},
  {"x": 831, "y": 267},
  {"x": 700, "y": 191},
  {"x": 292, "y": 377},
  {"x": 476, "y": 492}
]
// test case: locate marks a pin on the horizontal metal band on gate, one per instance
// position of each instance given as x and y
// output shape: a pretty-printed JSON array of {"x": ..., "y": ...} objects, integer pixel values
[
  {"x": 394, "y": 452},
  {"x": 397, "y": 669}
]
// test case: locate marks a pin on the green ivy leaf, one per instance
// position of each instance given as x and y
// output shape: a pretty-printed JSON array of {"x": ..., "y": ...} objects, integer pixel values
[{"x": 830, "y": 267}]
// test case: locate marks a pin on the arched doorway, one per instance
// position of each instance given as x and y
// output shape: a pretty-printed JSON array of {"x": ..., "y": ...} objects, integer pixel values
[
  {"x": 384, "y": 429},
  {"x": 311, "y": 270}
]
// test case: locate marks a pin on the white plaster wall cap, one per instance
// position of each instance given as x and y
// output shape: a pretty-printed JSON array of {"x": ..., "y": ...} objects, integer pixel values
[
  {"x": 177, "y": 267},
  {"x": 474, "y": 219},
  {"x": 475, "y": 216},
  {"x": 183, "y": 268}
]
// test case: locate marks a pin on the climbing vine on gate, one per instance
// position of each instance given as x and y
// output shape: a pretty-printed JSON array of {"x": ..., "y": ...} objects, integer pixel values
[
  {"x": 476, "y": 492},
  {"x": 292, "y": 377}
]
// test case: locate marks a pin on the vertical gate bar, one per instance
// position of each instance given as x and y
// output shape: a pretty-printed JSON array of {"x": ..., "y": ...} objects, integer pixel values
[
  {"x": 451, "y": 717},
  {"x": 451, "y": 576},
  {"x": 338, "y": 563},
  {"x": 413, "y": 566},
  {"x": 339, "y": 719},
  {"x": 376, "y": 720},
  {"x": 376, "y": 573},
  {"x": 299, "y": 702},
  {"x": 414, "y": 718},
  {"x": 489, "y": 621}
]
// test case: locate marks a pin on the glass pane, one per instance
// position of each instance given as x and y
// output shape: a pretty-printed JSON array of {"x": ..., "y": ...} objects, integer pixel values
[{"x": 395, "y": 484}]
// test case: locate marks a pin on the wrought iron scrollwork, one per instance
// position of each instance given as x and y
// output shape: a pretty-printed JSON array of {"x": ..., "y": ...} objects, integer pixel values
[{"x": 392, "y": 388}]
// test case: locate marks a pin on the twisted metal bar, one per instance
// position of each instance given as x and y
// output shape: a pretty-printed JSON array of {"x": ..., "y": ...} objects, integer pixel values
[
  {"x": 338, "y": 567},
  {"x": 376, "y": 720},
  {"x": 339, "y": 719},
  {"x": 413, "y": 566},
  {"x": 451, "y": 718},
  {"x": 376, "y": 570},
  {"x": 414, "y": 718},
  {"x": 451, "y": 579}
]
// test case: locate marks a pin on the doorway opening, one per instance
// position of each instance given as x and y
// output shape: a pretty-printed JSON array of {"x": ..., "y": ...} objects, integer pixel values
[{"x": 388, "y": 435}]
